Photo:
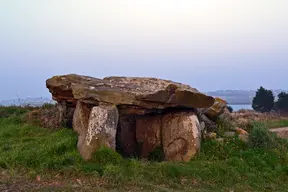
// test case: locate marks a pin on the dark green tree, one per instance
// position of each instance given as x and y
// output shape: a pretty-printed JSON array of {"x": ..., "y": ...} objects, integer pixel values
[
  {"x": 230, "y": 109},
  {"x": 282, "y": 103},
  {"x": 263, "y": 100}
]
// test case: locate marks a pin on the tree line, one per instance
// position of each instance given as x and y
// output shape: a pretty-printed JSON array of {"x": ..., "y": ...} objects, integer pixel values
[{"x": 264, "y": 101}]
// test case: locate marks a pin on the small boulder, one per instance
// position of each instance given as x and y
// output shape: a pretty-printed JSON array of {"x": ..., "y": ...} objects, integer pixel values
[
  {"x": 211, "y": 135},
  {"x": 220, "y": 140},
  {"x": 229, "y": 134},
  {"x": 216, "y": 109},
  {"x": 209, "y": 125},
  {"x": 242, "y": 134},
  {"x": 226, "y": 115},
  {"x": 244, "y": 137},
  {"x": 241, "y": 131}
]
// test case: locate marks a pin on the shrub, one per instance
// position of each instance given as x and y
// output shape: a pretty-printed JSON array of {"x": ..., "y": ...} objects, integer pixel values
[
  {"x": 230, "y": 109},
  {"x": 156, "y": 155},
  {"x": 247, "y": 125},
  {"x": 48, "y": 106},
  {"x": 51, "y": 116},
  {"x": 12, "y": 111},
  {"x": 282, "y": 103},
  {"x": 224, "y": 125},
  {"x": 263, "y": 100},
  {"x": 105, "y": 156},
  {"x": 260, "y": 137}
]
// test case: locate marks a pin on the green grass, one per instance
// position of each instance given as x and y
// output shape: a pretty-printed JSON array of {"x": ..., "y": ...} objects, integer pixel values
[
  {"x": 12, "y": 111},
  {"x": 262, "y": 165},
  {"x": 267, "y": 124},
  {"x": 277, "y": 123}
]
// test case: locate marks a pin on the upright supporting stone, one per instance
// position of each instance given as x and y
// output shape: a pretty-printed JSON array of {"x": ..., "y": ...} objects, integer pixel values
[
  {"x": 65, "y": 116},
  {"x": 102, "y": 127},
  {"x": 148, "y": 133},
  {"x": 181, "y": 136},
  {"x": 80, "y": 125},
  {"x": 99, "y": 130},
  {"x": 126, "y": 136}
]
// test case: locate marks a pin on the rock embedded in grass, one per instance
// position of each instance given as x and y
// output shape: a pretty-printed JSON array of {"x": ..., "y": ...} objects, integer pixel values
[{"x": 229, "y": 134}]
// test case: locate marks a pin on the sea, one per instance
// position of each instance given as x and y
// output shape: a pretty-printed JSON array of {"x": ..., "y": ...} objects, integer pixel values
[{"x": 238, "y": 107}]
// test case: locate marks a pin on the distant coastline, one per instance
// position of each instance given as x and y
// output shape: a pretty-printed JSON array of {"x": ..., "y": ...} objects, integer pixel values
[
  {"x": 37, "y": 101},
  {"x": 239, "y": 97},
  {"x": 238, "y": 107},
  {"x": 236, "y": 98},
  {"x": 239, "y": 103}
]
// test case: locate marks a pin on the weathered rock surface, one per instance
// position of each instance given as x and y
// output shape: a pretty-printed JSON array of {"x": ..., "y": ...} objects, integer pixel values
[
  {"x": 241, "y": 131},
  {"x": 148, "y": 93},
  {"x": 209, "y": 125},
  {"x": 126, "y": 136},
  {"x": 80, "y": 125},
  {"x": 148, "y": 133},
  {"x": 226, "y": 115},
  {"x": 181, "y": 136},
  {"x": 216, "y": 109},
  {"x": 102, "y": 126},
  {"x": 53, "y": 117},
  {"x": 95, "y": 128},
  {"x": 81, "y": 118},
  {"x": 210, "y": 135}
]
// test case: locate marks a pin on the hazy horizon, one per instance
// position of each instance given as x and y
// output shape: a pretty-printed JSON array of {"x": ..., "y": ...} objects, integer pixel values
[{"x": 209, "y": 44}]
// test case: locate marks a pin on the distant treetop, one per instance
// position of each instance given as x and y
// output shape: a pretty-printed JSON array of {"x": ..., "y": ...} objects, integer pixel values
[{"x": 263, "y": 100}]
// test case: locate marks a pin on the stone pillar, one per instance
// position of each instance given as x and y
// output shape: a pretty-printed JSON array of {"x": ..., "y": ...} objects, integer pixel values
[
  {"x": 148, "y": 133},
  {"x": 126, "y": 142},
  {"x": 181, "y": 136},
  {"x": 96, "y": 128}
]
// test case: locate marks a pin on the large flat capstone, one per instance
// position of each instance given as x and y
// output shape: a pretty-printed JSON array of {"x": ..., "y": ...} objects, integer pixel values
[{"x": 147, "y": 93}]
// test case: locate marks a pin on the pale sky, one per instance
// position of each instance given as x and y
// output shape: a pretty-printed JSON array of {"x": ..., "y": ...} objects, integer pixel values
[{"x": 208, "y": 44}]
